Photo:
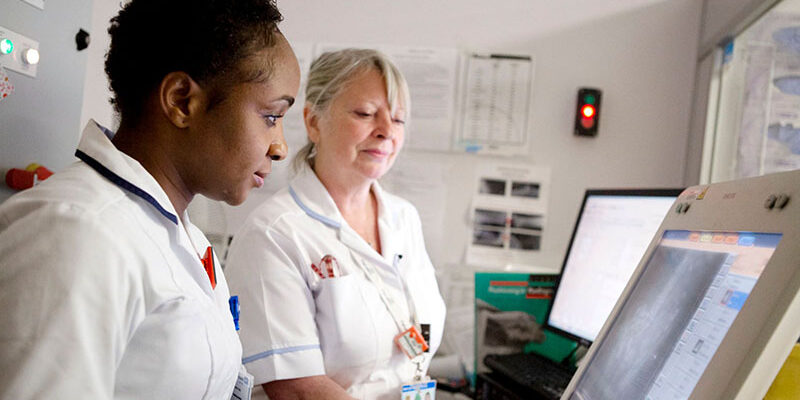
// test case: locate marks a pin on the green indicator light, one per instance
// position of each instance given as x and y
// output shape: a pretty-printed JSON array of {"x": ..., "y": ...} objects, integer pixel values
[
  {"x": 6, "y": 46},
  {"x": 588, "y": 99}
]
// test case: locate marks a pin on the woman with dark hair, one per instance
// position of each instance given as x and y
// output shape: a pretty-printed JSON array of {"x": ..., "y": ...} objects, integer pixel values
[{"x": 107, "y": 290}]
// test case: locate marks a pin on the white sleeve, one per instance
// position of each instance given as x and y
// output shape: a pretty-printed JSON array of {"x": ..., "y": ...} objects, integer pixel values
[
  {"x": 64, "y": 307},
  {"x": 277, "y": 326}
]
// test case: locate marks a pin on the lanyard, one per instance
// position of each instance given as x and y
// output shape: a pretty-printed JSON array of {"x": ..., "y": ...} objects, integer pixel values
[{"x": 388, "y": 300}]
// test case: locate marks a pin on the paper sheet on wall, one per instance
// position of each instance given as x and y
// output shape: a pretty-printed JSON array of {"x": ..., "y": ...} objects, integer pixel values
[
  {"x": 457, "y": 286},
  {"x": 294, "y": 130},
  {"x": 432, "y": 74},
  {"x": 497, "y": 96},
  {"x": 421, "y": 182},
  {"x": 508, "y": 211}
]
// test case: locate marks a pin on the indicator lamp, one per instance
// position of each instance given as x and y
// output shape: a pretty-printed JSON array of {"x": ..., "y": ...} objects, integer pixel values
[
  {"x": 6, "y": 46},
  {"x": 587, "y": 113},
  {"x": 31, "y": 56}
]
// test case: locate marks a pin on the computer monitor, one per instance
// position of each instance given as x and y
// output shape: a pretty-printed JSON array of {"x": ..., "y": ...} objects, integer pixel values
[
  {"x": 613, "y": 230},
  {"x": 712, "y": 310}
]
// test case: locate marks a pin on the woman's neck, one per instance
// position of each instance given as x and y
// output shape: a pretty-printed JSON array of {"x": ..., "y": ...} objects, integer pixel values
[
  {"x": 351, "y": 194},
  {"x": 157, "y": 163},
  {"x": 356, "y": 202}
]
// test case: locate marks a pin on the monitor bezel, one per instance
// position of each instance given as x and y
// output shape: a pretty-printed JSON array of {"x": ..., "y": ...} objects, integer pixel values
[
  {"x": 631, "y": 192},
  {"x": 747, "y": 360}
]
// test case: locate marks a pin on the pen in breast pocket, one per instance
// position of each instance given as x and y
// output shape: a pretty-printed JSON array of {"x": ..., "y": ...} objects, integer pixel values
[
  {"x": 331, "y": 266},
  {"x": 317, "y": 271},
  {"x": 328, "y": 267}
]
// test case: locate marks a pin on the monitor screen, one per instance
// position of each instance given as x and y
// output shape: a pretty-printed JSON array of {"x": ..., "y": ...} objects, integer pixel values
[
  {"x": 713, "y": 310},
  {"x": 611, "y": 235},
  {"x": 692, "y": 289}
]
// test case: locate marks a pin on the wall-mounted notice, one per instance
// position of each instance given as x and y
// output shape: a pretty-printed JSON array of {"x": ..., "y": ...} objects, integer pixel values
[
  {"x": 508, "y": 214},
  {"x": 421, "y": 181},
  {"x": 496, "y": 102},
  {"x": 432, "y": 74},
  {"x": 294, "y": 129}
]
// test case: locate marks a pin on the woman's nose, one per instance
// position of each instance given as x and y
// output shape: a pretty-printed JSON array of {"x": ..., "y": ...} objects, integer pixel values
[
  {"x": 384, "y": 125},
  {"x": 278, "y": 150}
]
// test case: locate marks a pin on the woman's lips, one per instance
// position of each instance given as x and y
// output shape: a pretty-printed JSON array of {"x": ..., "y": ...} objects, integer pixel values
[
  {"x": 377, "y": 153},
  {"x": 259, "y": 179}
]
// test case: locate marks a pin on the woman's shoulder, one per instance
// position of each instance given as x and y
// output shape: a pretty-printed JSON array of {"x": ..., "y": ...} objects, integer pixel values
[
  {"x": 399, "y": 207},
  {"x": 276, "y": 208}
]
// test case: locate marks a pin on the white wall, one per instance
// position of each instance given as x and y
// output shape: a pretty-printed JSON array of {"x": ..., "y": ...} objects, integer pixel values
[
  {"x": 97, "y": 93},
  {"x": 641, "y": 53},
  {"x": 643, "y": 58}
]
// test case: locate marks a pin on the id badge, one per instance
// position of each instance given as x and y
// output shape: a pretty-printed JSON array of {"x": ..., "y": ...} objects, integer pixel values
[
  {"x": 411, "y": 342},
  {"x": 419, "y": 390},
  {"x": 244, "y": 385}
]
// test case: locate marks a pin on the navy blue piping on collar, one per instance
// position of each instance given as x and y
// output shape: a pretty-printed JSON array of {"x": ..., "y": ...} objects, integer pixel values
[
  {"x": 121, "y": 182},
  {"x": 321, "y": 218}
]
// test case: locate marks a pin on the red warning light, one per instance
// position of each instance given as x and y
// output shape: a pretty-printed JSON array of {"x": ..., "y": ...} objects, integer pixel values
[{"x": 587, "y": 111}]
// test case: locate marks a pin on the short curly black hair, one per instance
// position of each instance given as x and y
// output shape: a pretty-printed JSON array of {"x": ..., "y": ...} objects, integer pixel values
[{"x": 207, "y": 39}]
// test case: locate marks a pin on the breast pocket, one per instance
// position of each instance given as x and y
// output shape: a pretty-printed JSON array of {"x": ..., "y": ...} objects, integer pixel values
[{"x": 346, "y": 327}]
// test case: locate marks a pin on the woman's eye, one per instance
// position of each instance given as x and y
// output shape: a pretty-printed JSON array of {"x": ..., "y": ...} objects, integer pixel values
[
  {"x": 363, "y": 114},
  {"x": 398, "y": 121},
  {"x": 272, "y": 119}
]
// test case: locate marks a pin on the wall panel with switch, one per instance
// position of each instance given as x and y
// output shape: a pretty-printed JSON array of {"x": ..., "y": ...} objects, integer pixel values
[{"x": 40, "y": 119}]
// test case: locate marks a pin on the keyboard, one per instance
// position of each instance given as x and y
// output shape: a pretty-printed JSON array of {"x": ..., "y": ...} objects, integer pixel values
[{"x": 533, "y": 372}]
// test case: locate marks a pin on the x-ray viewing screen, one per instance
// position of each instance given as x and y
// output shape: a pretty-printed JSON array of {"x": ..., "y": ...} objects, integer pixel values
[{"x": 669, "y": 327}]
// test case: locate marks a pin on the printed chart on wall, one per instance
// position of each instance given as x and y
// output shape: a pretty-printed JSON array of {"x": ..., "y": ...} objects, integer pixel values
[
  {"x": 508, "y": 214},
  {"x": 497, "y": 96}
]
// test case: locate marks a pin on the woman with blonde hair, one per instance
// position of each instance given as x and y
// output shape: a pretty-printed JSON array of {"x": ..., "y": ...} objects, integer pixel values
[{"x": 339, "y": 296}]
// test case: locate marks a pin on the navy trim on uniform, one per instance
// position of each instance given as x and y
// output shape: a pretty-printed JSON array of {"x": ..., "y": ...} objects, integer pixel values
[
  {"x": 321, "y": 218},
  {"x": 121, "y": 182},
  {"x": 268, "y": 353}
]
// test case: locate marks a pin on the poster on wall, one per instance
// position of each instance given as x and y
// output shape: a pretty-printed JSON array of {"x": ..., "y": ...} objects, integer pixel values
[
  {"x": 497, "y": 95},
  {"x": 769, "y": 129},
  {"x": 508, "y": 214}
]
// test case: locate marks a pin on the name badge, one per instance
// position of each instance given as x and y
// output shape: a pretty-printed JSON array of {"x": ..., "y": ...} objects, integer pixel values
[
  {"x": 419, "y": 390},
  {"x": 244, "y": 385}
]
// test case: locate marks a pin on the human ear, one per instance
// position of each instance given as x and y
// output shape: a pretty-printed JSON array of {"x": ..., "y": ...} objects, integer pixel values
[
  {"x": 311, "y": 119},
  {"x": 180, "y": 98}
]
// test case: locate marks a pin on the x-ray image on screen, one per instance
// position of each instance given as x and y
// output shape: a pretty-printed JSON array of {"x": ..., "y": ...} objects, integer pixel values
[{"x": 644, "y": 334}]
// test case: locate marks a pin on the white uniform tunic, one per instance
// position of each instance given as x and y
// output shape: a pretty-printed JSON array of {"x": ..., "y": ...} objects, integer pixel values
[
  {"x": 102, "y": 292},
  {"x": 294, "y": 324}
]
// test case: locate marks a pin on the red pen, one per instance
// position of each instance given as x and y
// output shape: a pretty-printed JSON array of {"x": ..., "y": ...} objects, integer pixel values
[{"x": 316, "y": 269}]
